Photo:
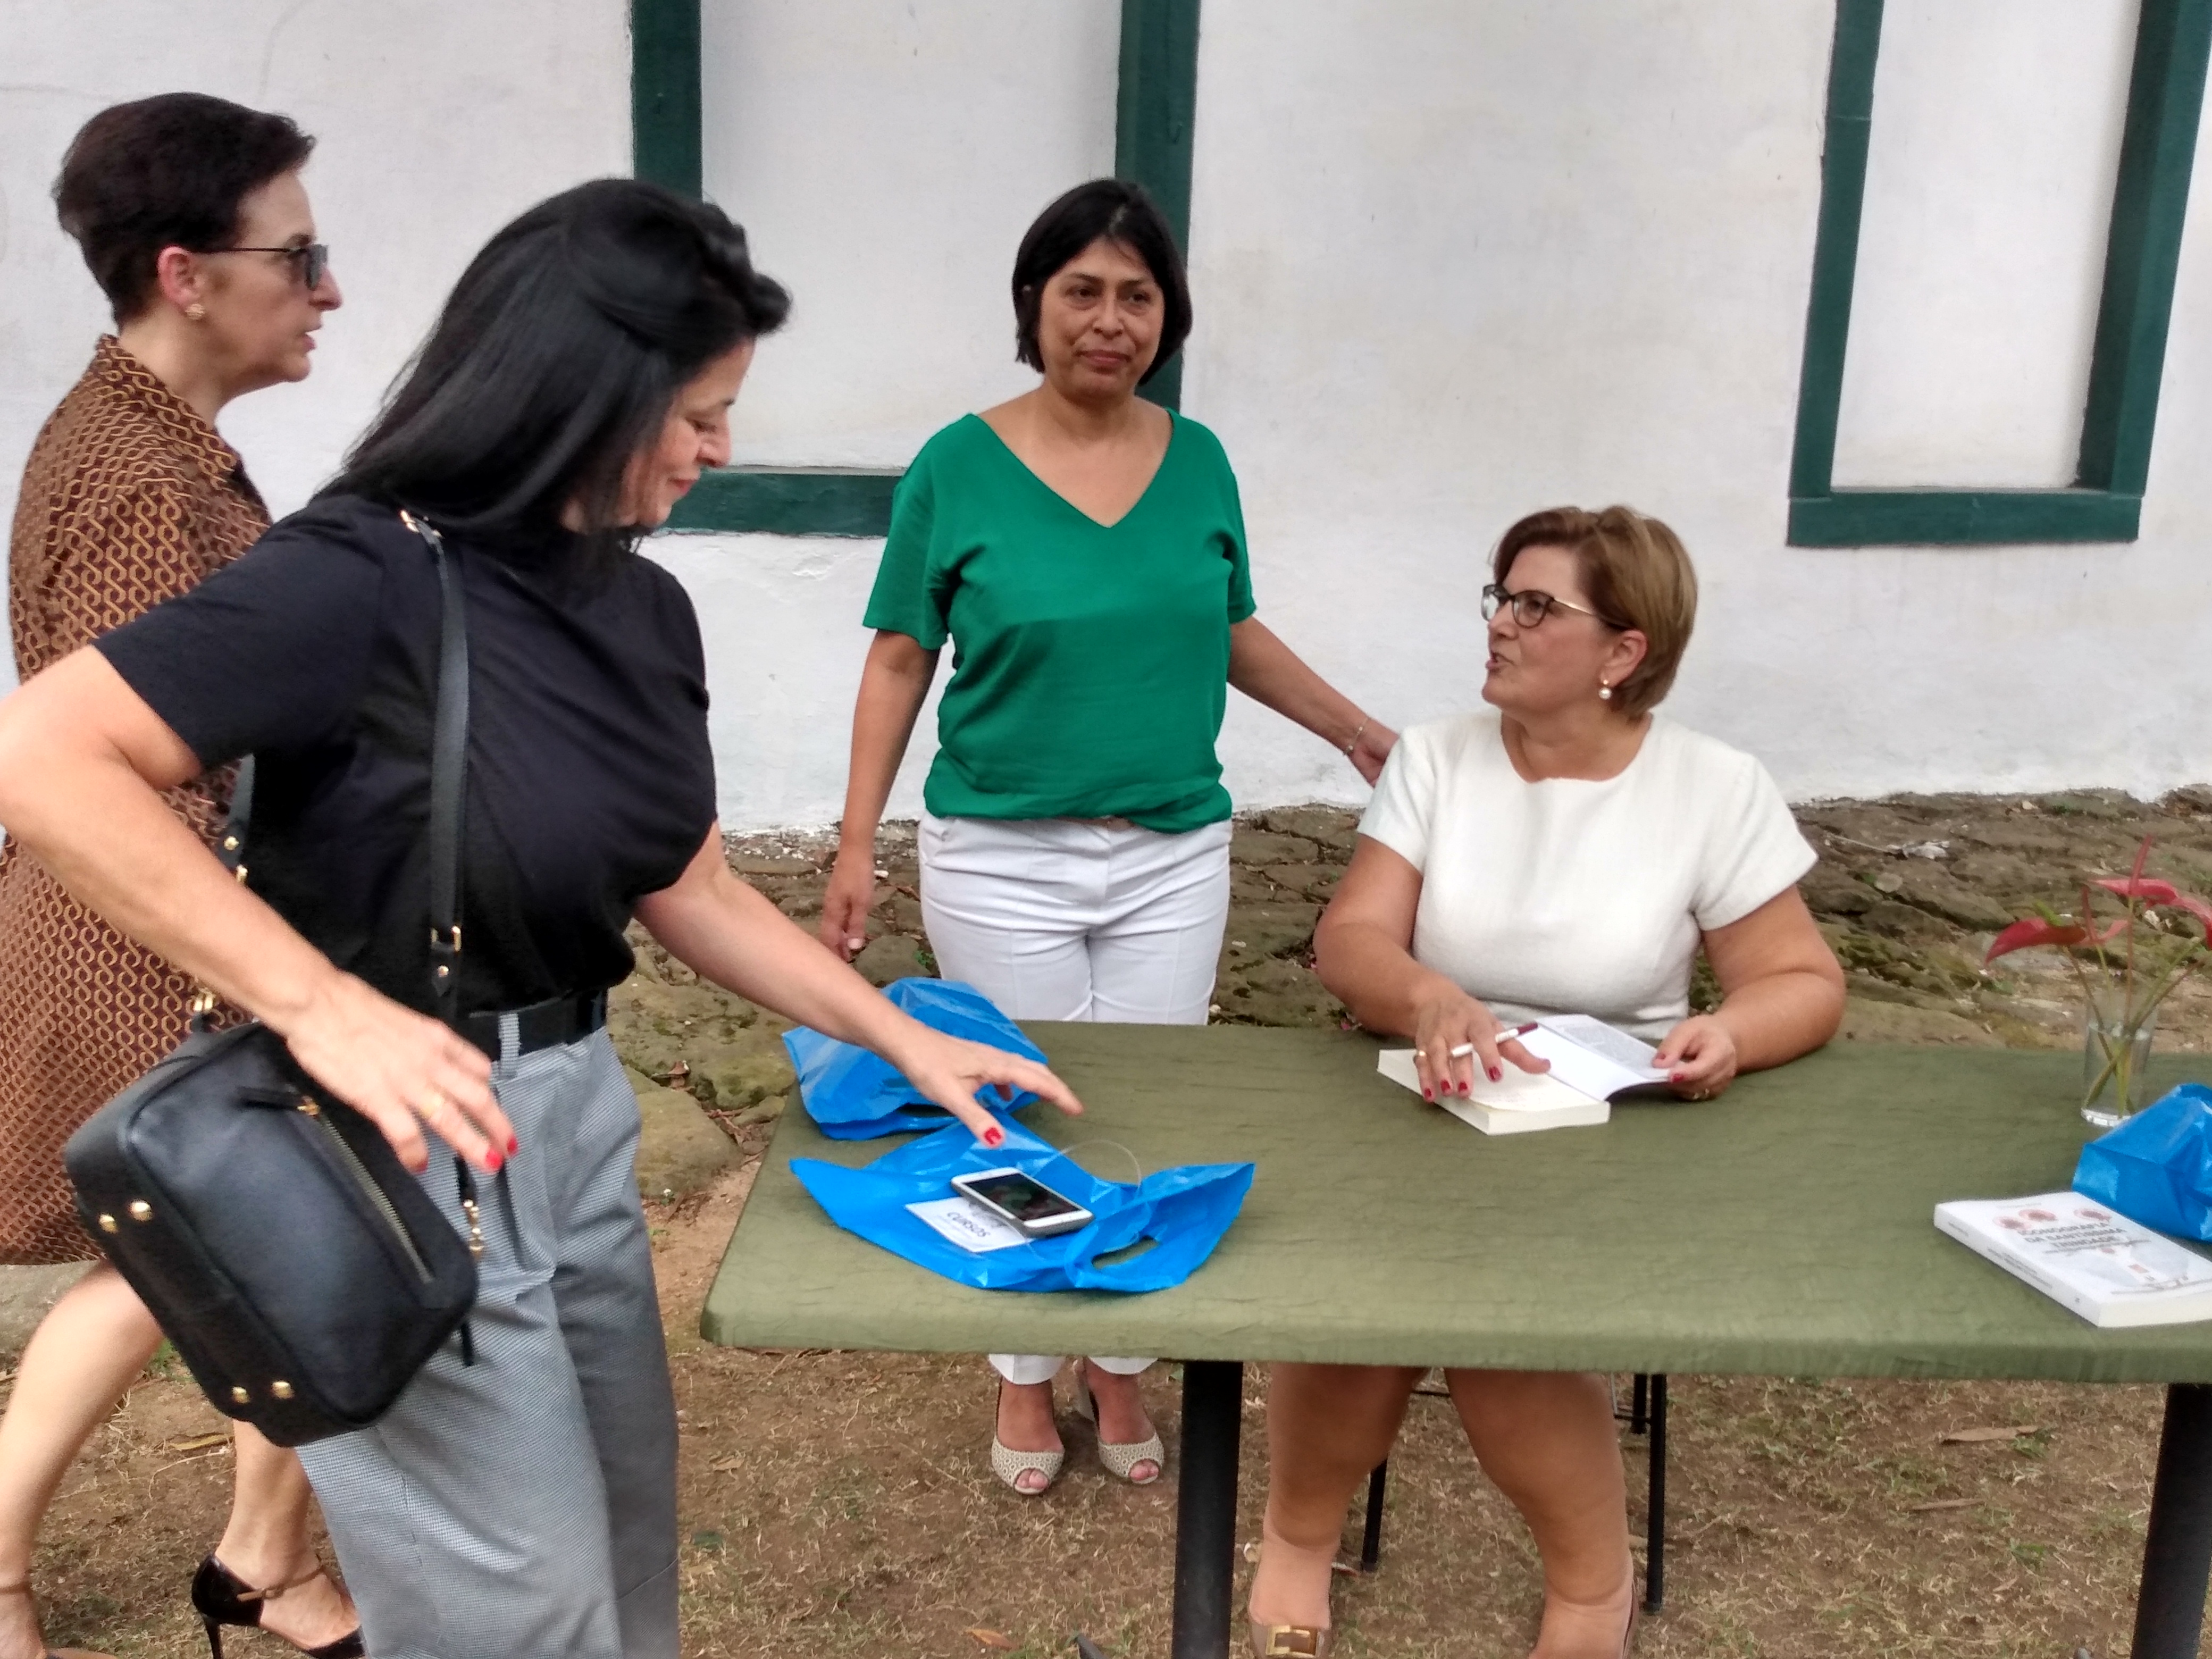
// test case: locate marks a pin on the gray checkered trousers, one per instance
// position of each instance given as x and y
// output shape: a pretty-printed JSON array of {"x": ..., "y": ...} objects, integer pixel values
[{"x": 524, "y": 1507}]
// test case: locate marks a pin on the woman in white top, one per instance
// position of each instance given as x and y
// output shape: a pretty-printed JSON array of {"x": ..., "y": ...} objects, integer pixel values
[{"x": 1570, "y": 852}]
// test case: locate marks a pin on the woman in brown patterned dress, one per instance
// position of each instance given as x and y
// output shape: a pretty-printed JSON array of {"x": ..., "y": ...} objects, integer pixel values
[{"x": 191, "y": 214}]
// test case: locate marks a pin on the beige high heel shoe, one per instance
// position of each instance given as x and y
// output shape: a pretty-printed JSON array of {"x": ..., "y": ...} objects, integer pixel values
[
  {"x": 1010, "y": 1465},
  {"x": 23, "y": 1589},
  {"x": 1120, "y": 1460}
]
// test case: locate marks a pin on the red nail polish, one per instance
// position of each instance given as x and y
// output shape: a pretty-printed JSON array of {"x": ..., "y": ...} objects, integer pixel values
[
  {"x": 512, "y": 1146},
  {"x": 1495, "y": 1074},
  {"x": 993, "y": 1136},
  {"x": 492, "y": 1159}
]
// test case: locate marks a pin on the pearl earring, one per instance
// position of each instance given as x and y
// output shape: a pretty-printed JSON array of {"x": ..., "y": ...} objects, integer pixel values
[{"x": 1605, "y": 690}]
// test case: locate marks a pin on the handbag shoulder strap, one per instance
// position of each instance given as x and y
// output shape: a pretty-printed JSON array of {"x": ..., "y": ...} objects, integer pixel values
[{"x": 449, "y": 744}]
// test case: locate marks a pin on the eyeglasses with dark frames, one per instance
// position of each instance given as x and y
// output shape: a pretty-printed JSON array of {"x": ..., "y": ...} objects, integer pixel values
[
  {"x": 312, "y": 260},
  {"x": 1530, "y": 607}
]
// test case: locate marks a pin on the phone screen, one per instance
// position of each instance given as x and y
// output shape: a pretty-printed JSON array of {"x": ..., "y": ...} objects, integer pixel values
[{"x": 1020, "y": 1197}]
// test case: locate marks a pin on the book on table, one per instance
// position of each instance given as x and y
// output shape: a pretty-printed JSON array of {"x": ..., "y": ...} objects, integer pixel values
[
  {"x": 2113, "y": 1272},
  {"x": 1591, "y": 1063}
]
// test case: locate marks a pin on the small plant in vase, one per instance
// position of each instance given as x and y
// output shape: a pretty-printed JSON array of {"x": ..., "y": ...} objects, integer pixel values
[{"x": 2126, "y": 967}]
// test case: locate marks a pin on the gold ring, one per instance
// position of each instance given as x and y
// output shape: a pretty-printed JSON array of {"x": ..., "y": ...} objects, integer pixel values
[
  {"x": 438, "y": 1104},
  {"x": 1420, "y": 1054}
]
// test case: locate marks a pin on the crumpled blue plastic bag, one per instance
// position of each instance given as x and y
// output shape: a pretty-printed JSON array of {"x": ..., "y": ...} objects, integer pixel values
[
  {"x": 855, "y": 1095},
  {"x": 1183, "y": 1210},
  {"x": 2156, "y": 1167}
]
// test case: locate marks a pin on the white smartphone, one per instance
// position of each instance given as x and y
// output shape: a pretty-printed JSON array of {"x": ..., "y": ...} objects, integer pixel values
[{"x": 1023, "y": 1202}]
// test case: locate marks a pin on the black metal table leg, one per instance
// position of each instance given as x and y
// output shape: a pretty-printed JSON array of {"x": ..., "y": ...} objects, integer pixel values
[
  {"x": 1370, "y": 1537},
  {"x": 1205, "y": 1507},
  {"x": 1655, "y": 1512},
  {"x": 2177, "y": 1553}
]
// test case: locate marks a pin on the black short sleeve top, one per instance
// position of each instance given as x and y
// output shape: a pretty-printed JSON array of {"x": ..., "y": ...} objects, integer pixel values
[{"x": 590, "y": 779}]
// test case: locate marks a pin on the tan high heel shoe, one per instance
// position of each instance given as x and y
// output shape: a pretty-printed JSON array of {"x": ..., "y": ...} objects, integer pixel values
[
  {"x": 23, "y": 1589},
  {"x": 1289, "y": 1641},
  {"x": 1119, "y": 1459},
  {"x": 1010, "y": 1465}
]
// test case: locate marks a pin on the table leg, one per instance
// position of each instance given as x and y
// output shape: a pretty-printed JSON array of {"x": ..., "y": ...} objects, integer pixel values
[
  {"x": 1655, "y": 1514},
  {"x": 1205, "y": 1507},
  {"x": 2177, "y": 1552}
]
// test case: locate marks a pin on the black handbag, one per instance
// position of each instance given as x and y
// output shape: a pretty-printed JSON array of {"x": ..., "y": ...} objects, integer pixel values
[{"x": 303, "y": 1274}]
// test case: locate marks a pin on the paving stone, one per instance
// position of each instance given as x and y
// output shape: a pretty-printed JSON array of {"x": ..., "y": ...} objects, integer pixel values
[
  {"x": 680, "y": 1149},
  {"x": 892, "y": 956}
]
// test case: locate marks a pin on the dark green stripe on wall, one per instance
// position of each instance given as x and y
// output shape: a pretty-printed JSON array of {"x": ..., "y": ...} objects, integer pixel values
[{"x": 664, "y": 93}]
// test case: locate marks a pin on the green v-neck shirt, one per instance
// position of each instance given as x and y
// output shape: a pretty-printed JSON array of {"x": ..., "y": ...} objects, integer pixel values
[{"x": 1090, "y": 661}]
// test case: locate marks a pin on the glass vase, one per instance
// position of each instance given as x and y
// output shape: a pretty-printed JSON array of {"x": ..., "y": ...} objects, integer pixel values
[{"x": 2115, "y": 1062}]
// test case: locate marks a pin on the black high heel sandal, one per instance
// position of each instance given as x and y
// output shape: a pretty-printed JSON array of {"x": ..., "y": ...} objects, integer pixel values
[{"x": 221, "y": 1597}]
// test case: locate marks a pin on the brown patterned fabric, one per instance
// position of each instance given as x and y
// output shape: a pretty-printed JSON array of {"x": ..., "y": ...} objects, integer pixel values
[{"x": 130, "y": 498}]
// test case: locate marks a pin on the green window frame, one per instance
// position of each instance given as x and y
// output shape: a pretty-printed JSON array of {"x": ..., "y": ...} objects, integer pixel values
[
  {"x": 1154, "y": 109},
  {"x": 2166, "y": 94}
]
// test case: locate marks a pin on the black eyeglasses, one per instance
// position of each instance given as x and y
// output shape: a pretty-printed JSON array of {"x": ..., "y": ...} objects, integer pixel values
[
  {"x": 312, "y": 261},
  {"x": 1531, "y": 607}
]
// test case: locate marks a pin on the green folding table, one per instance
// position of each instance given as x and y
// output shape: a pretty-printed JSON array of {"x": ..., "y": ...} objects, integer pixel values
[{"x": 1783, "y": 1230}]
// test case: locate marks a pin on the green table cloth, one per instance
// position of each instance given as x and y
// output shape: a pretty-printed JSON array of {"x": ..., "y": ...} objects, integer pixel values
[{"x": 1782, "y": 1230}]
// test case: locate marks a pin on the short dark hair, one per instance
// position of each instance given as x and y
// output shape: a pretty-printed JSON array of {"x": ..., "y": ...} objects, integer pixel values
[
  {"x": 1638, "y": 575},
  {"x": 1120, "y": 212},
  {"x": 166, "y": 171},
  {"x": 557, "y": 359}
]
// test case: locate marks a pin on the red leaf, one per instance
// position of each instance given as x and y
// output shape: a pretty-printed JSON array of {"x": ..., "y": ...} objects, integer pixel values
[
  {"x": 2158, "y": 892},
  {"x": 2032, "y": 931}
]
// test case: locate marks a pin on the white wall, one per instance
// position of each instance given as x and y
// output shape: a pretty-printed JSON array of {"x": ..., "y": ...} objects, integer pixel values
[
  {"x": 435, "y": 124},
  {"x": 1453, "y": 260}
]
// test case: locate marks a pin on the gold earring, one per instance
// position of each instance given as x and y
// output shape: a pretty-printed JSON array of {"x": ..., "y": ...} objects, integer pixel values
[{"x": 197, "y": 312}]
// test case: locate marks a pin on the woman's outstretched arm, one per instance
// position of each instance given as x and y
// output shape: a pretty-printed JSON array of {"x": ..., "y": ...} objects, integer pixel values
[
  {"x": 893, "y": 685},
  {"x": 730, "y": 932},
  {"x": 82, "y": 760},
  {"x": 1270, "y": 673}
]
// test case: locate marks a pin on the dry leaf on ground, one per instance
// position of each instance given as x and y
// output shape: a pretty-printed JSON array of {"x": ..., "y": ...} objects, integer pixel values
[{"x": 1983, "y": 1436}]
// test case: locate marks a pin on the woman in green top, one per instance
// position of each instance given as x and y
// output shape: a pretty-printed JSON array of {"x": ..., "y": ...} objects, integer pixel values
[{"x": 1083, "y": 551}]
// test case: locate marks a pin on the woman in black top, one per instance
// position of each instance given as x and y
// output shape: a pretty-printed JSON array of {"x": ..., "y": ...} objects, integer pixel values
[{"x": 579, "y": 379}]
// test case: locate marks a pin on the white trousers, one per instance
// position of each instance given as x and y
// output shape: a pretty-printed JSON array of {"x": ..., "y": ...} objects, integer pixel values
[{"x": 1059, "y": 918}]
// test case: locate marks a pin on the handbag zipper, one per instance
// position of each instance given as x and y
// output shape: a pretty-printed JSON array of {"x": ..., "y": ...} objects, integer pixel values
[{"x": 375, "y": 1194}]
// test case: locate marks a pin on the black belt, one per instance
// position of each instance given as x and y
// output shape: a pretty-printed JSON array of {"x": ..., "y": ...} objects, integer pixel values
[{"x": 544, "y": 1024}]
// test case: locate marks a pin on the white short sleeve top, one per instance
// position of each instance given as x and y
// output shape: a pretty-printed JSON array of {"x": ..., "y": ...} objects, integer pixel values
[{"x": 1575, "y": 897}]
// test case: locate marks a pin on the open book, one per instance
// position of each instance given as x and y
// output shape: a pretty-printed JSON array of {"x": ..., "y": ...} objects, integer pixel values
[
  {"x": 1591, "y": 1062},
  {"x": 2084, "y": 1257}
]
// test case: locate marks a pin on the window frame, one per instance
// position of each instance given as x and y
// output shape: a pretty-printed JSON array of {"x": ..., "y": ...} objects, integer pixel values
[
  {"x": 2165, "y": 95},
  {"x": 1155, "y": 107}
]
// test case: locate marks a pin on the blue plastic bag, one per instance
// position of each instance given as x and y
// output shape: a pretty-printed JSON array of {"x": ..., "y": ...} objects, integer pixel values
[
  {"x": 2156, "y": 1167},
  {"x": 1183, "y": 1210},
  {"x": 854, "y": 1095}
]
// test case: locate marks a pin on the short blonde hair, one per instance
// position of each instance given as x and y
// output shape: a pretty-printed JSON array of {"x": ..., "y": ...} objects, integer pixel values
[{"x": 1637, "y": 573}]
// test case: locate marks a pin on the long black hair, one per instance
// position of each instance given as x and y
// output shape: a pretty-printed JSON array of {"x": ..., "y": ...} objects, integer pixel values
[{"x": 556, "y": 360}]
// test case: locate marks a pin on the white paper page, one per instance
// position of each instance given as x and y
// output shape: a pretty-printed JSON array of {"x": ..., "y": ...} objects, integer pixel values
[
  {"x": 967, "y": 1224},
  {"x": 1517, "y": 1092},
  {"x": 1592, "y": 1056}
]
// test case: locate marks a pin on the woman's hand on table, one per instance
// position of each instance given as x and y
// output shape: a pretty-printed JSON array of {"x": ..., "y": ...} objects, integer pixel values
[
  {"x": 1699, "y": 1057},
  {"x": 845, "y": 906},
  {"x": 1370, "y": 748},
  {"x": 1453, "y": 1034},
  {"x": 400, "y": 1070},
  {"x": 949, "y": 1071}
]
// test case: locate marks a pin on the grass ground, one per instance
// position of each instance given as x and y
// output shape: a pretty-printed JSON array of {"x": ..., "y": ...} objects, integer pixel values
[{"x": 839, "y": 1505}]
